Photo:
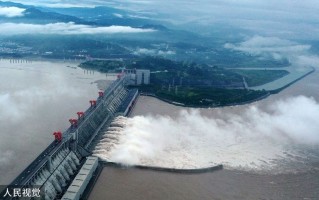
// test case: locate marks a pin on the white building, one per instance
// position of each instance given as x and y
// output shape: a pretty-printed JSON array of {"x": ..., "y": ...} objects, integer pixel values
[
  {"x": 139, "y": 76},
  {"x": 142, "y": 77}
]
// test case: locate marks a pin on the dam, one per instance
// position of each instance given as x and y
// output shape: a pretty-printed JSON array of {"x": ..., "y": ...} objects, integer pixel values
[{"x": 65, "y": 167}]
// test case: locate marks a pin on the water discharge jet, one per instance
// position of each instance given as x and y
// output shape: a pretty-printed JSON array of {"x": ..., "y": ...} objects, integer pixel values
[{"x": 257, "y": 139}]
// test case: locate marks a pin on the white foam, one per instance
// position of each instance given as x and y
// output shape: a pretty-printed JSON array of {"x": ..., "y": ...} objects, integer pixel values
[{"x": 255, "y": 140}]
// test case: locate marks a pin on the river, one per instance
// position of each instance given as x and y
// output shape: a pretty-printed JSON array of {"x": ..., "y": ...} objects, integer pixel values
[
  {"x": 36, "y": 99},
  {"x": 229, "y": 183}
]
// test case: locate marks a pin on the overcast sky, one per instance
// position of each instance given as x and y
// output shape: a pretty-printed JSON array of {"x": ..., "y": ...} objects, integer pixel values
[{"x": 293, "y": 19}]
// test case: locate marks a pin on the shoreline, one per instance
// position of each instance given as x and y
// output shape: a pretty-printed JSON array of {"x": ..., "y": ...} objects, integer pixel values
[
  {"x": 270, "y": 92},
  {"x": 284, "y": 82},
  {"x": 194, "y": 106},
  {"x": 39, "y": 59},
  {"x": 165, "y": 169},
  {"x": 224, "y": 184},
  {"x": 296, "y": 80}
]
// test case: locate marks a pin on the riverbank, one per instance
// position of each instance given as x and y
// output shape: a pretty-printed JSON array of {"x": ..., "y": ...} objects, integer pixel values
[
  {"x": 132, "y": 183},
  {"x": 201, "y": 86},
  {"x": 197, "y": 106},
  {"x": 295, "y": 74},
  {"x": 38, "y": 59},
  {"x": 204, "y": 99}
]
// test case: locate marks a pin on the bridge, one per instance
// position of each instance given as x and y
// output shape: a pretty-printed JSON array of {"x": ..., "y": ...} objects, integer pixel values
[{"x": 68, "y": 158}]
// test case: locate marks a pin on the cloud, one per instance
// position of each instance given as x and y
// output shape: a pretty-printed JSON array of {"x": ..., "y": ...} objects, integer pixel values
[
  {"x": 118, "y": 15},
  {"x": 36, "y": 99},
  {"x": 307, "y": 60},
  {"x": 139, "y": 16},
  {"x": 8, "y": 112},
  {"x": 6, "y": 157},
  {"x": 273, "y": 46},
  {"x": 11, "y": 12},
  {"x": 285, "y": 18},
  {"x": 61, "y": 4},
  {"x": 144, "y": 51},
  {"x": 65, "y": 29},
  {"x": 13, "y": 109},
  {"x": 256, "y": 139},
  {"x": 166, "y": 53}
]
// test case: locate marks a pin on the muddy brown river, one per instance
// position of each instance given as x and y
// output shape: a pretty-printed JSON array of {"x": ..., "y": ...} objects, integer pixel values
[{"x": 136, "y": 184}]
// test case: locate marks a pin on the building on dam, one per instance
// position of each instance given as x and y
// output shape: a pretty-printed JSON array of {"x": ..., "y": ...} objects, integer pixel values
[{"x": 138, "y": 76}]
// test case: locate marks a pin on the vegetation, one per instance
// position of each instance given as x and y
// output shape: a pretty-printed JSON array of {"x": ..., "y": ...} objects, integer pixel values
[
  {"x": 180, "y": 51},
  {"x": 102, "y": 65},
  {"x": 210, "y": 96},
  {"x": 70, "y": 47},
  {"x": 203, "y": 97},
  {"x": 193, "y": 84},
  {"x": 168, "y": 72},
  {"x": 260, "y": 77}
]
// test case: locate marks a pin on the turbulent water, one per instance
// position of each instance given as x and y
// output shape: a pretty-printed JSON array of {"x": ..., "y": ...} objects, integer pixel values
[
  {"x": 265, "y": 157},
  {"x": 276, "y": 135},
  {"x": 255, "y": 140}
]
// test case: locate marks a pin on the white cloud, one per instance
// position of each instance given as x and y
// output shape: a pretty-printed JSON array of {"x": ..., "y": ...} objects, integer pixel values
[
  {"x": 307, "y": 60},
  {"x": 64, "y": 5},
  {"x": 65, "y": 29},
  {"x": 166, "y": 53},
  {"x": 144, "y": 51},
  {"x": 6, "y": 157},
  {"x": 272, "y": 47},
  {"x": 272, "y": 17},
  {"x": 139, "y": 16},
  {"x": 259, "y": 45},
  {"x": 11, "y": 11},
  {"x": 60, "y": 4},
  {"x": 118, "y": 15}
]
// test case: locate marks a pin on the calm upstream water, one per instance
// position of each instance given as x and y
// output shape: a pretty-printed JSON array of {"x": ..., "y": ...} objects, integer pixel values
[
  {"x": 36, "y": 99},
  {"x": 135, "y": 184}
]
